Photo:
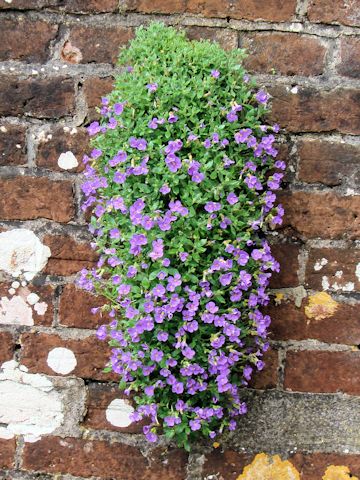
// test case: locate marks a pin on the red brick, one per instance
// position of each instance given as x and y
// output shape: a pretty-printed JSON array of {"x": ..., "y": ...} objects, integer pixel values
[
  {"x": 7, "y": 453},
  {"x": 328, "y": 162},
  {"x": 28, "y": 198},
  {"x": 77, "y": 6},
  {"x": 99, "y": 398},
  {"x": 286, "y": 53},
  {"x": 271, "y": 10},
  {"x": 311, "y": 110},
  {"x": 64, "y": 139},
  {"x": 228, "y": 39},
  {"x": 226, "y": 464},
  {"x": 104, "y": 45},
  {"x": 91, "y": 354},
  {"x": 75, "y": 306},
  {"x": 313, "y": 466},
  {"x": 336, "y": 11},
  {"x": 12, "y": 145},
  {"x": 68, "y": 256},
  {"x": 46, "y": 295},
  {"x": 338, "y": 273},
  {"x": 88, "y": 458},
  {"x": 94, "y": 89},
  {"x": 322, "y": 371},
  {"x": 349, "y": 65},
  {"x": 324, "y": 215},
  {"x": 38, "y": 35},
  {"x": 7, "y": 347},
  {"x": 289, "y": 322},
  {"x": 45, "y": 98},
  {"x": 268, "y": 377},
  {"x": 287, "y": 255}
]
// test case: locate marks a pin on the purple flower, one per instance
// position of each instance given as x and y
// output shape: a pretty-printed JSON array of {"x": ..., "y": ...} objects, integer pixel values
[
  {"x": 120, "y": 157},
  {"x": 172, "y": 421},
  {"x": 96, "y": 153},
  {"x": 211, "y": 307},
  {"x": 261, "y": 96},
  {"x": 158, "y": 249},
  {"x": 195, "y": 425},
  {"x": 231, "y": 116},
  {"x": 120, "y": 177},
  {"x": 173, "y": 162},
  {"x": 232, "y": 198},
  {"x": 138, "y": 143},
  {"x": 158, "y": 290},
  {"x": 225, "y": 279},
  {"x": 118, "y": 108},
  {"x": 188, "y": 352},
  {"x": 153, "y": 124},
  {"x": 124, "y": 289},
  {"x": 93, "y": 128},
  {"x": 212, "y": 206},
  {"x": 132, "y": 271},
  {"x": 215, "y": 73},
  {"x": 101, "y": 332},
  {"x": 166, "y": 262},
  {"x": 165, "y": 189},
  {"x": 178, "y": 387},
  {"x": 156, "y": 355},
  {"x": 114, "y": 233},
  {"x": 149, "y": 390},
  {"x": 183, "y": 256},
  {"x": 172, "y": 118},
  {"x": 242, "y": 135},
  {"x": 162, "y": 336},
  {"x": 152, "y": 87}
]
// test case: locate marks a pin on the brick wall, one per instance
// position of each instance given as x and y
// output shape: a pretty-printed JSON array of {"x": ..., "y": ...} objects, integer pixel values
[{"x": 57, "y": 59}]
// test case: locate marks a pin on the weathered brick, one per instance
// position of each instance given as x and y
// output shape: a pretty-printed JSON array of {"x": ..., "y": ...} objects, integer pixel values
[
  {"x": 45, "y": 294},
  {"x": 104, "y": 45},
  {"x": 76, "y": 6},
  {"x": 328, "y": 162},
  {"x": 313, "y": 466},
  {"x": 12, "y": 144},
  {"x": 228, "y": 39},
  {"x": 64, "y": 139},
  {"x": 322, "y": 371},
  {"x": 272, "y": 10},
  {"x": 334, "y": 269},
  {"x": 7, "y": 453},
  {"x": 227, "y": 464},
  {"x": 88, "y": 458},
  {"x": 311, "y": 110},
  {"x": 324, "y": 215},
  {"x": 94, "y": 89},
  {"x": 7, "y": 347},
  {"x": 289, "y": 322},
  {"x": 91, "y": 355},
  {"x": 286, "y": 53},
  {"x": 337, "y": 11},
  {"x": 45, "y": 98},
  {"x": 68, "y": 256},
  {"x": 349, "y": 65},
  {"x": 38, "y": 35},
  {"x": 28, "y": 198},
  {"x": 287, "y": 255},
  {"x": 99, "y": 398},
  {"x": 268, "y": 377},
  {"x": 75, "y": 306}
]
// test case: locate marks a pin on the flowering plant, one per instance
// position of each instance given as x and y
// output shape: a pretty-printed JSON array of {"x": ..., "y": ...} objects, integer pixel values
[{"x": 181, "y": 182}]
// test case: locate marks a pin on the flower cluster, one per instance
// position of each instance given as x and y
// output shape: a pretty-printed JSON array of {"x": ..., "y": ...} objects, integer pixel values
[{"x": 181, "y": 183}]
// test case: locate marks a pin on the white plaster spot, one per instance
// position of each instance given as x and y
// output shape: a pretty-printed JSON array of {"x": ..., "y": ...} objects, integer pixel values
[
  {"x": 73, "y": 131},
  {"x": 21, "y": 251},
  {"x": 357, "y": 271},
  {"x": 348, "y": 287},
  {"x": 12, "y": 291},
  {"x": 294, "y": 90},
  {"x": 29, "y": 403},
  {"x": 32, "y": 298},
  {"x": 15, "y": 312},
  {"x": 66, "y": 129},
  {"x": 325, "y": 283},
  {"x": 61, "y": 360},
  {"x": 118, "y": 413},
  {"x": 55, "y": 68},
  {"x": 40, "y": 308},
  {"x": 18, "y": 145},
  {"x": 349, "y": 192},
  {"x": 23, "y": 283},
  {"x": 34, "y": 72},
  {"x": 15, "y": 284},
  {"x": 339, "y": 274},
  {"x": 67, "y": 161},
  {"x": 3, "y": 129},
  {"x": 320, "y": 264},
  {"x": 8, "y": 1}
]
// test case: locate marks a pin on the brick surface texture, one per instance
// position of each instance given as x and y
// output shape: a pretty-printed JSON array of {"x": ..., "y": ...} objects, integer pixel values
[{"x": 57, "y": 59}]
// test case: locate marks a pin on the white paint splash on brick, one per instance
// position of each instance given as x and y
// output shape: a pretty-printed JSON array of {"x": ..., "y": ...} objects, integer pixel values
[
  {"x": 118, "y": 413},
  {"x": 67, "y": 161},
  {"x": 29, "y": 404},
  {"x": 357, "y": 271},
  {"x": 325, "y": 283},
  {"x": 40, "y": 308},
  {"x": 32, "y": 298},
  {"x": 61, "y": 360},
  {"x": 320, "y": 264},
  {"x": 21, "y": 252},
  {"x": 346, "y": 287},
  {"x": 339, "y": 274},
  {"x": 15, "y": 311}
]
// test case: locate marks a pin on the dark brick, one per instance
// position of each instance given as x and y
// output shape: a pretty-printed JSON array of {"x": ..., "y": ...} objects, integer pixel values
[
  {"x": 12, "y": 145},
  {"x": 336, "y": 11},
  {"x": 349, "y": 65}
]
